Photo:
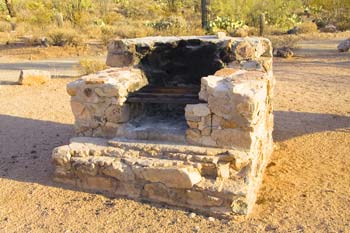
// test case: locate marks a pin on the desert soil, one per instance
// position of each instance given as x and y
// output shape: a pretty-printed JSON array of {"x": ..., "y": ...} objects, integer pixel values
[{"x": 306, "y": 186}]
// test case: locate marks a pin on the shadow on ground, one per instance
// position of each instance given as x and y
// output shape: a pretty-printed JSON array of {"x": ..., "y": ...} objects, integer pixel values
[
  {"x": 295, "y": 124},
  {"x": 26, "y": 144}
]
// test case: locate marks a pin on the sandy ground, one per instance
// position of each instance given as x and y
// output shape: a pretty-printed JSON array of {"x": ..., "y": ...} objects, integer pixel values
[{"x": 306, "y": 187}]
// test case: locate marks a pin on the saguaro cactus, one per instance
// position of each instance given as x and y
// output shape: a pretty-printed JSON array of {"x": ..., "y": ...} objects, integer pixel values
[
  {"x": 205, "y": 13},
  {"x": 262, "y": 24}
]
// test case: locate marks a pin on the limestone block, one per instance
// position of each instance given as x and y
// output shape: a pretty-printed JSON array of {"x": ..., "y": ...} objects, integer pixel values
[
  {"x": 120, "y": 171},
  {"x": 205, "y": 123},
  {"x": 240, "y": 98},
  {"x": 244, "y": 51},
  {"x": 119, "y": 59},
  {"x": 97, "y": 183},
  {"x": 80, "y": 111},
  {"x": 172, "y": 177},
  {"x": 34, "y": 77},
  {"x": 193, "y": 136},
  {"x": 267, "y": 46},
  {"x": 202, "y": 199},
  {"x": 109, "y": 130},
  {"x": 223, "y": 170},
  {"x": 157, "y": 191},
  {"x": 84, "y": 167},
  {"x": 197, "y": 110},
  {"x": 117, "y": 114},
  {"x": 221, "y": 123},
  {"x": 61, "y": 156},
  {"x": 78, "y": 150},
  {"x": 72, "y": 87},
  {"x": 229, "y": 138},
  {"x": 208, "y": 83},
  {"x": 120, "y": 53},
  {"x": 208, "y": 141},
  {"x": 208, "y": 170},
  {"x": 261, "y": 64},
  {"x": 114, "y": 82},
  {"x": 107, "y": 91},
  {"x": 192, "y": 124},
  {"x": 128, "y": 189},
  {"x": 226, "y": 72}
]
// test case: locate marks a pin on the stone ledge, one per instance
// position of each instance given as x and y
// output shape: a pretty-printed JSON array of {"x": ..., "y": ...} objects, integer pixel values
[{"x": 207, "y": 180}]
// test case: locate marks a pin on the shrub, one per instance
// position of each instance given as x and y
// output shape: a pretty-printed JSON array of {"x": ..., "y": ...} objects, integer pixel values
[
  {"x": 224, "y": 23},
  {"x": 168, "y": 23},
  {"x": 343, "y": 25},
  {"x": 289, "y": 41},
  {"x": 107, "y": 33},
  {"x": 62, "y": 37},
  {"x": 240, "y": 32},
  {"x": 5, "y": 26},
  {"x": 90, "y": 66},
  {"x": 307, "y": 27}
]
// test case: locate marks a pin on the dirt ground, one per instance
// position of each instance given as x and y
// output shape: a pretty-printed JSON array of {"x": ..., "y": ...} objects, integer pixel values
[{"x": 306, "y": 187}]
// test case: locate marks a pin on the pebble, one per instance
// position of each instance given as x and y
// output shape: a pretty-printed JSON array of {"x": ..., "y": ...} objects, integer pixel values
[
  {"x": 192, "y": 215},
  {"x": 197, "y": 229},
  {"x": 211, "y": 219}
]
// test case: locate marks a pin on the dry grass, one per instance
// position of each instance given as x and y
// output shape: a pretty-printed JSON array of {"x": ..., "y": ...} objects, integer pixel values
[
  {"x": 91, "y": 66},
  {"x": 307, "y": 27}
]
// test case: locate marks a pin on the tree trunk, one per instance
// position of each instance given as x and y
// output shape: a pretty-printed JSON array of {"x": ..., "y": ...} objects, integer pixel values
[
  {"x": 10, "y": 9},
  {"x": 205, "y": 13}
]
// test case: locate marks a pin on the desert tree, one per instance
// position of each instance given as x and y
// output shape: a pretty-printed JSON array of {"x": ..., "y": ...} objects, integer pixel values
[{"x": 10, "y": 8}]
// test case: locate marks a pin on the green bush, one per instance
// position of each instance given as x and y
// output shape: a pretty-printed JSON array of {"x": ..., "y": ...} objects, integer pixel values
[
  {"x": 168, "y": 23},
  {"x": 224, "y": 23}
]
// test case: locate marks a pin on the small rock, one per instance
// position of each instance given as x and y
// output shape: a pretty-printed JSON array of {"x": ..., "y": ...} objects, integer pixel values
[
  {"x": 330, "y": 28},
  {"x": 221, "y": 35},
  {"x": 192, "y": 215},
  {"x": 211, "y": 219},
  {"x": 344, "y": 45},
  {"x": 196, "y": 229},
  {"x": 34, "y": 77},
  {"x": 293, "y": 31},
  {"x": 284, "y": 52},
  {"x": 271, "y": 228}
]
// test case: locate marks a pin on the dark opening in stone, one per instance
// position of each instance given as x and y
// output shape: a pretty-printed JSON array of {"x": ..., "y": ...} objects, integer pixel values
[
  {"x": 181, "y": 64},
  {"x": 174, "y": 70}
]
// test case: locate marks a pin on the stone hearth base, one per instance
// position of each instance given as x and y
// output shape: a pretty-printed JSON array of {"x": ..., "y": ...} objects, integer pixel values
[
  {"x": 185, "y": 121},
  {"x": 213, "y": 181}
]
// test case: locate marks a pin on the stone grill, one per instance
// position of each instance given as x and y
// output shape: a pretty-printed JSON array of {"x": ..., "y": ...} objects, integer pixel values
[{"x": 185, "y": 121}]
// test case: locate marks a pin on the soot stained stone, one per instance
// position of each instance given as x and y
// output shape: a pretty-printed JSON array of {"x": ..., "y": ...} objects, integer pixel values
[{"x": 184, "y": 64}]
